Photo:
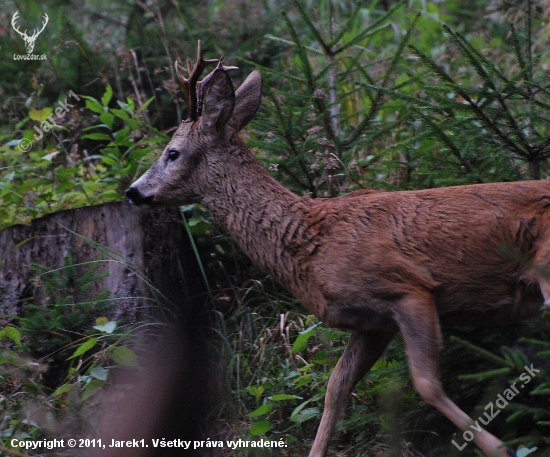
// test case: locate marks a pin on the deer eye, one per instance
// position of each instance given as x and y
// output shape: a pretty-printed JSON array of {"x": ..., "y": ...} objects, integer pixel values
[{"x": 173, "y": 155}]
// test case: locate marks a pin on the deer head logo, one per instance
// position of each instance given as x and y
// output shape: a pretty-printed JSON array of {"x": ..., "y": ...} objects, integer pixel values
[{"x": 29, "y": 40}]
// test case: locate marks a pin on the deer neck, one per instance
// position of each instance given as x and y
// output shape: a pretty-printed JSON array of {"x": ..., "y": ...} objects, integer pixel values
[{"x": 265, "y": 218}]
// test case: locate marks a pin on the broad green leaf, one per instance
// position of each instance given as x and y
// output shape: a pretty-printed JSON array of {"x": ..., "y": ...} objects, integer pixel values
[
  {"x": 62, "y": 389},
  {"x": 321, "y": 358},
  {"x": 11, "y": 333},
  {"x": 262, "y": 410},
  {"x": 40, "y": 115},
  {"x": 64, "y": 173},
  {"x": 306, "y": 414},
  {"x": 257, "y": 391},
  {"x": 283, "y": 397},
  {"x": 107, "y": 119},
  {"x": 260, "y": 427},
  {"x": 93, "y": 386},
  {"x": 65, "y": 186},
  {"x": 303, "y": 380},
  {"x": 94, "y": 106},
  {"x": 109, "y": 161},
  {"x": 124, "y": 356},
  {"x": 130, "y": 104},
  {"x": 107, "y": 95},
  {"x": 121, "y": 137},
  {"x": 86, "y": 346},
  {"x": 120, "y": 113},
  {"x": 300, "y": 344}
]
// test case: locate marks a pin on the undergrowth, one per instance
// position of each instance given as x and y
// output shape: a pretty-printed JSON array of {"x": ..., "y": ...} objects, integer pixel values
[{"x": 58, "y": 354}]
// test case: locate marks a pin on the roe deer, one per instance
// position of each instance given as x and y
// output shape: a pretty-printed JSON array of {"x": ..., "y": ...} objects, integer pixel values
[{"x": 371, "y": 262}]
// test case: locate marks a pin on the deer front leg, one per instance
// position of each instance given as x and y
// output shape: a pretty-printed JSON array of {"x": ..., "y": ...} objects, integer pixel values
[
  {"x": 418, "y": 322},
  {"x": 363, "y": 349}
]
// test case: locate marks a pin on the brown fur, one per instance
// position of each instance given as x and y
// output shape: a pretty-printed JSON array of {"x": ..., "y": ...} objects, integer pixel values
[{"x": 371, "y": 262}]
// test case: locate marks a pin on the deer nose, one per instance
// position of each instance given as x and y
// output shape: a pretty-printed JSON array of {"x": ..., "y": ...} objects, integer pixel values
[{"x": 135, "y": 197}]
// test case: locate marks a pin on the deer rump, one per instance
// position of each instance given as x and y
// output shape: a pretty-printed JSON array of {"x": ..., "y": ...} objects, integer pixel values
[{"x": 479, "y": 249}]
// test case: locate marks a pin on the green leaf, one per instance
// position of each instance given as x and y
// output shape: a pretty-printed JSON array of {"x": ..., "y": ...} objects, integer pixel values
[
  {"x": 62, "y": 389},
  {"x": 303, "y": 380},
  {"x": 146, "y": 104},
  {"x": 107, "y": 119},
  {"x": 99, "y": 373},
  {"x": 122, "y": 137},
  {"x": 257, "y": 391},
  {"x": 108, "y": 327},
  {"x": 321, "y": 358},
  {"x": 284, "y": 397},
  {"x": 11, "y": 333},
  {"x": 124, "y": 356},
  {"x": 260, "y": 427},
  {"x": 301, "y": 341},
  {"x": 131, "y": 105},
  {"x": 86, "y": 346},
  {"x": 262, "y": 410},
  {"x": 121, "y": 114},
  {"x": 109, "y": 161},
  {"x": 93, "y": 386},
  {"x": 300, "y": 407},
  {"x": 306, "y": 414},
  {"x": 107, "y": 95},
  {"x": 65, "y": 173},
  {"x": 40, "y": 115},
  {"x": 94, "y": 106},
  {"x": 97, "y": 136}
]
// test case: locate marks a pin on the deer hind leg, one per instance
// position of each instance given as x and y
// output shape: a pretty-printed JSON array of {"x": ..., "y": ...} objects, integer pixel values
[
  {"x": 363, "y": 349},
  {"x": 418, "y": 322}
]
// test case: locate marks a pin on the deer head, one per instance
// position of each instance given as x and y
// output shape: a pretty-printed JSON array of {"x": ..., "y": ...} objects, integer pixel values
[
  {"x": 29, "y": 40},
  {"x": 216, "y": 114}
]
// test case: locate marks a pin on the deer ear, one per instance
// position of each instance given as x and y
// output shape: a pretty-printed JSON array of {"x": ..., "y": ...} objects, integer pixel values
[
  {"x": 218, "y": 101},
  {"x": 247, "y": 101}
]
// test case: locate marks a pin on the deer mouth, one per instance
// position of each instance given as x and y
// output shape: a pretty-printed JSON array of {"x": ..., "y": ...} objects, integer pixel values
[{"x": 135, "y": 197}]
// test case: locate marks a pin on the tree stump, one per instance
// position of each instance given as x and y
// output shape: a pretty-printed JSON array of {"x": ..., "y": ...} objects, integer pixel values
[
  {"x": 139, "y": 249},
  {"x": 150, "y": 265}
]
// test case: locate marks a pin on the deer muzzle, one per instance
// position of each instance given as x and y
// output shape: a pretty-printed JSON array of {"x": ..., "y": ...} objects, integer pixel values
[{"x": 137, "y": 198}]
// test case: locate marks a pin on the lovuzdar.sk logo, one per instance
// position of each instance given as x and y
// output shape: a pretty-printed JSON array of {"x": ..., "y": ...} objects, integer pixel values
[{"x": 29, "y": 40}]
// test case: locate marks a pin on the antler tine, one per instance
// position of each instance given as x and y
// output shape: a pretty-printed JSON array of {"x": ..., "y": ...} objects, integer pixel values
[{"x": 189, "y": 85}]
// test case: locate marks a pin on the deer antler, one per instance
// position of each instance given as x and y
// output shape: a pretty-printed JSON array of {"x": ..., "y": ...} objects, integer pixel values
[{"x": 191, "y": 87}]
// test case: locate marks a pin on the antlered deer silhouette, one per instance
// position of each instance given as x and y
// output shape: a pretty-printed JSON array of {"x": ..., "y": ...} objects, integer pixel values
[
  {"x": 29, "y": 40},
  {"x": 371, "y": 262}
]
